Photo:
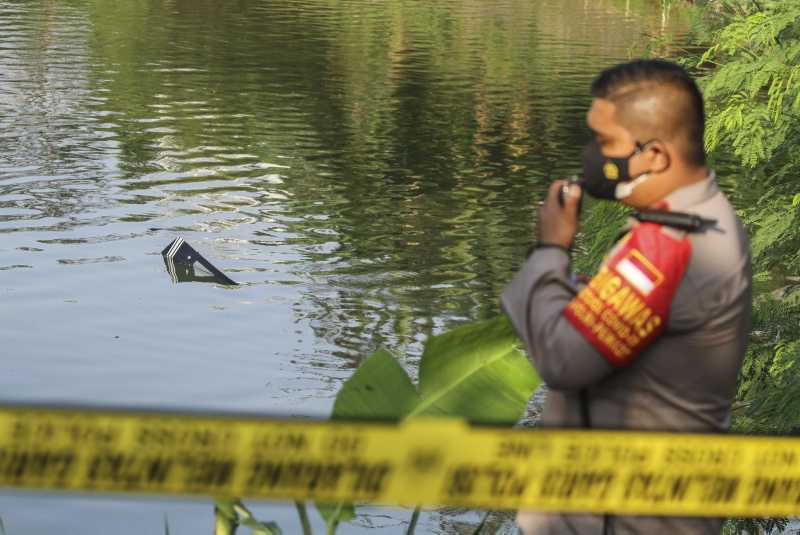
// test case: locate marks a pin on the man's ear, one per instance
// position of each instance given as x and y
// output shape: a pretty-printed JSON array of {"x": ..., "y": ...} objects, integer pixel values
[{"x": 658, "y": 156}]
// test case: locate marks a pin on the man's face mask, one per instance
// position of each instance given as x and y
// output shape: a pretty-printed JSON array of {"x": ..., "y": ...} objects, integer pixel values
[{"x": 608, "y": 177}]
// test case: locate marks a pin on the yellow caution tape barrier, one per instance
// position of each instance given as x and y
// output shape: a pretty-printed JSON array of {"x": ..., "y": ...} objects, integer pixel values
[{"x": 429, "y": 462}]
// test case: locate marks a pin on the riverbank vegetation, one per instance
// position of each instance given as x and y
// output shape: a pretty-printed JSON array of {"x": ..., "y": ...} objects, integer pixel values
[
  {"x": 751, "y": 81},
  {"x": 753, "y": 99}
]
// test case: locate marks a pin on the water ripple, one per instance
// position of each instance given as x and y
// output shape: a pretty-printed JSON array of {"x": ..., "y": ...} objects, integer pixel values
[{"x": 367, "y": 171}]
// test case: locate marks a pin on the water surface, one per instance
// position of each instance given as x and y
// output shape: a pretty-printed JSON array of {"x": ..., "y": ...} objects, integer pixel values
[{"x": 368, "y": 171}]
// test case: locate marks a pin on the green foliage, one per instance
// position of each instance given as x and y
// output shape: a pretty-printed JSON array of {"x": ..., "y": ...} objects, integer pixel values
[
  {"x": 380, "y": 389},
  {"x": 225, "y": 517},
  {"x": 756, "y": 526},
  {"x": 769, "y": 386},
  {"x": 753, "y": 94},
  {"x": 230, "y": 513},
  {"x": 773, "y": 229},
  {"x": 753, "y": 105},
  {"x": 605, "y": 219},
  {"x": 751, "y": 83},
  {"x": 412, "y": 524},
  {"x": 335, "y": 514},
  {"x": 477, "y": 372},
  {"x": 755, "y": 90},
  {"x": 305, "y": 524}
]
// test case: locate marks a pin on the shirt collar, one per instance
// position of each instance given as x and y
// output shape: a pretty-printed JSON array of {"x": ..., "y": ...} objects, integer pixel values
[{"x": 687, "y": 196}]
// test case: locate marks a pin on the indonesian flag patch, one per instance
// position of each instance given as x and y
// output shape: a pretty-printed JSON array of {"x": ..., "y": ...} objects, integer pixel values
[
  {"x": 640, "y": 272},
  {"x": 626, "y": 305}
]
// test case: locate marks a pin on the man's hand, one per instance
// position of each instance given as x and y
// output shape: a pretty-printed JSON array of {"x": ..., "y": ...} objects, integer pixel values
[{"x": 558, "y": 224}]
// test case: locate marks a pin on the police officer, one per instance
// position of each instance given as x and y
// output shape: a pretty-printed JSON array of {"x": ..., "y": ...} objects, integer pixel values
[{"x": 656, "y": 338}]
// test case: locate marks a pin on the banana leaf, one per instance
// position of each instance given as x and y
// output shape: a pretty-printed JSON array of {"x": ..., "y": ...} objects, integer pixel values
[
  {"x": 477, "y": 372},
  {"x": 380, "y": 389}
]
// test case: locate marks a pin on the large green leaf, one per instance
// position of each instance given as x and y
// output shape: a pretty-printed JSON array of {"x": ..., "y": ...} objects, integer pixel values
[
  {"x": 476, "y": 372},
  {"x": 379, "y": 390}
]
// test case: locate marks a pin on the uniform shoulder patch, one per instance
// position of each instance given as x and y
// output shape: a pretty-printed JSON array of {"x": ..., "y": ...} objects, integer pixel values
[{"x": 626, "y": 304}]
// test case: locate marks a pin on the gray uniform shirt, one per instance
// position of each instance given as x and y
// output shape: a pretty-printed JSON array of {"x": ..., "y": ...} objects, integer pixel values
[{"x": 683, "y": 381}]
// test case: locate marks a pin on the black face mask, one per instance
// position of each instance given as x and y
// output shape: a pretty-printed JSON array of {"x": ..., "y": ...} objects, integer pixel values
[{"x": 603, "y": 174}]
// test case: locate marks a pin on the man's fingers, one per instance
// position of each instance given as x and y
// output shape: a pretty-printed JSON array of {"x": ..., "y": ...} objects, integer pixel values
[
  {"x": 557, "y": 224},
  {"x": 552, "y": 192},
  {"x": 572, "y": 198}
]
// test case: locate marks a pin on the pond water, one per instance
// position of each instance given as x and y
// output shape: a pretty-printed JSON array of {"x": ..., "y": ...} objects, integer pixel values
[{"x": 367, "y": 171}]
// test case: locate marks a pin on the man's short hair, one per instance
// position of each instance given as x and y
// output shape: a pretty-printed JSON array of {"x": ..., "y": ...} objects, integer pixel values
[{"x": 656, "y": 99}]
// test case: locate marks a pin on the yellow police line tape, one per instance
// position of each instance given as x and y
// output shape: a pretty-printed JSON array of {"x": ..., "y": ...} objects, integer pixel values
[{"x": 428, "y": 462}]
